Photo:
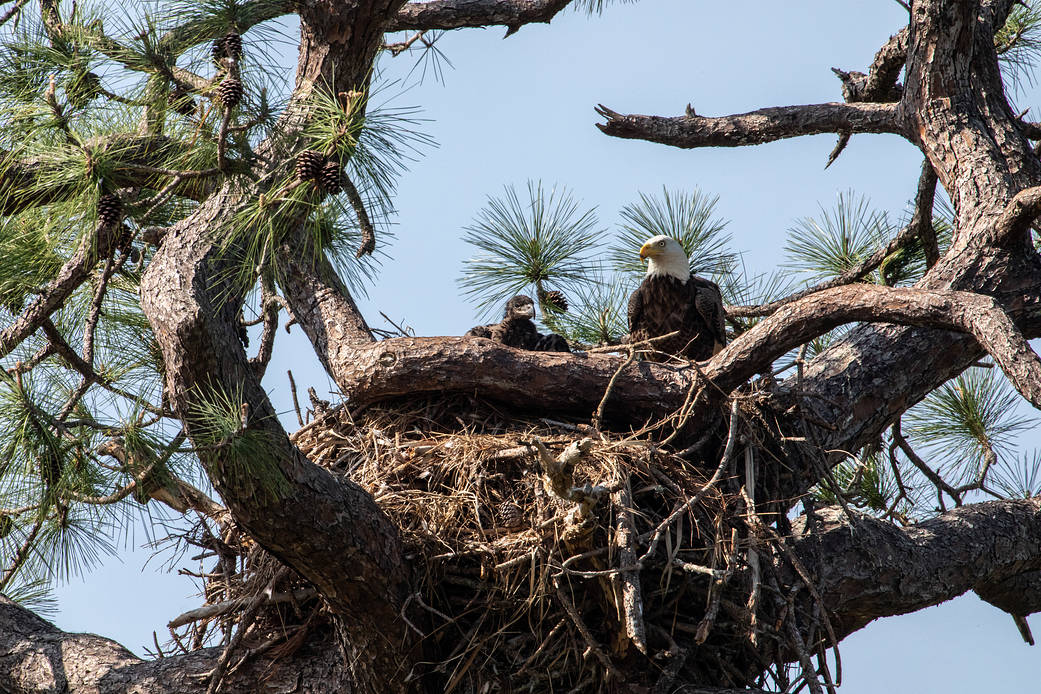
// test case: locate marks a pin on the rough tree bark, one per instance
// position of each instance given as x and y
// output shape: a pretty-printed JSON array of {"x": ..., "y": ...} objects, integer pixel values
[{"x": 332, "y": 533}]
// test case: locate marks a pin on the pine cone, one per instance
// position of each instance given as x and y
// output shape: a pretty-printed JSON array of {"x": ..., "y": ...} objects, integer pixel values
[
  {"x": 230, "y": 92},
  {"x": 233, "y": 45},
  {"x": 553, "y": 298},
  {"x": 510, "y": 515},
  {"x": 331, "y": 177},
  {"x": 110, "y": 211},
  {"x": 309, "y": 165},
  {"x": 182, "y": 102}
]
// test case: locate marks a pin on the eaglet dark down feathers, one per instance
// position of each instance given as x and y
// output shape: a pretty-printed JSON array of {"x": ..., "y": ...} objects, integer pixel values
[
  {"x": 671, "y": 299},
  {"x": 517, "y": 329}
]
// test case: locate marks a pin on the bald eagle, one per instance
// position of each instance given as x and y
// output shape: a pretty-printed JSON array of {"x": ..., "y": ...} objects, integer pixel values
[
  {"x": 671, "y": 299},
  {"x": 517, "y": 329}
]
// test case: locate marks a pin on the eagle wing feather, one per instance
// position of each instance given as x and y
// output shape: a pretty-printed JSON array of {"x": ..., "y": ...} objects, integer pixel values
[{"x": 708, "y": 301}]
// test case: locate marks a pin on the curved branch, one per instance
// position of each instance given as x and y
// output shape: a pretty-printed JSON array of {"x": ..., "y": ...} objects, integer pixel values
[
  {"x": 755, "y": 127},
  {"x": 924, "y": 565},
  {"x": 71, "y": 275},
  {"x": 799, "y": 322},
  {"x": 458, "y": 14}
]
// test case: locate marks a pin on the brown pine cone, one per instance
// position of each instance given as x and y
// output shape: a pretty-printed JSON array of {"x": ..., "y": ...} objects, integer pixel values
[
  {"x": 553, "y": 298},
  {"x": 232, "y": 45},
  {"x": 230, "y": 92},
  {"x": 510, "y": 515},
  {"x": 332, "y": 179},
  {"x": 110, "y": 211},
  {"x": 309, "y": 165}
]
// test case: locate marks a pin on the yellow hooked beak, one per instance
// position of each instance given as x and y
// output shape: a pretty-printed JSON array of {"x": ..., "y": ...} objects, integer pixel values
[{"x": 648, "y": 250}]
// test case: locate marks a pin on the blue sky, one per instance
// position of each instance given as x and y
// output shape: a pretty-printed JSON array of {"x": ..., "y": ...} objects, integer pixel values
[{"x": 522, "y": 108}]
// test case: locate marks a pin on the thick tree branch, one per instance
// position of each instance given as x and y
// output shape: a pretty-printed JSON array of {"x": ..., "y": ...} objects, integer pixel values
[
  {"x": 879, "y": 85},
  {"x": 756, "y": 127},
  {"x": 800, "y": 322},
  {"x": 1018, "y": 216},
  {"x": 873, "y": 568},
  {"x": 575, "y": 383},
  {"x": 853, "y": 274},
  {"x": 36, "y": 656},
  {"x": 457, "y": 14}
]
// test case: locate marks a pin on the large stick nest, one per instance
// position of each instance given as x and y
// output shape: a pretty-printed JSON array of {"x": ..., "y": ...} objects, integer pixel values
[{"x": 552, "y": 557}]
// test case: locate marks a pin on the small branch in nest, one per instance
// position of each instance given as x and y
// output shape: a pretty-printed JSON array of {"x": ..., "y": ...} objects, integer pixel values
[
  {"x": 559, "y": 472},
  {"x": 245, "y": 623},
  {"x": 753, "y": 553},
  {"x": 628, "y": 582},
  {"x": 228, "y": 606}
]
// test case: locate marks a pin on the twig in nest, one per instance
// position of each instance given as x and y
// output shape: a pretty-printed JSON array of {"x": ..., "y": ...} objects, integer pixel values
[
  {"x": 599, "y": 414},
  {"x": 244, "y": 624},
  {"x": 632, "y": 345},
  {"x": 753, "y": 554},
  {"x": 716, "y": 476},
  {"x": 591, "y": 645},
  {"x": 756, "y": 524},
  {"x": 559, "y": 472},
  {"x": 542, "y": 646}
]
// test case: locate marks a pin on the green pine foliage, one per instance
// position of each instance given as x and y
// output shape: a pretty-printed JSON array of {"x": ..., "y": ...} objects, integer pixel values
[
  {"x": 1018, "y": 43},
  {"x": 544, "y": 239},
  {"x": 245, "y": 449},
  {"x": 597, "y": 314},
  {"x": 824, "y": 247},
  {"x": 967, "y": 419},
  {"x": 1019, "y": 477},
  {"x": 865, "y": 482}
]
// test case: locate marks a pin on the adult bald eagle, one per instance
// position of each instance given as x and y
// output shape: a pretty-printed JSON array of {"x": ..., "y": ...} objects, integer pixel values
[
  {"x": 517, "y": 329},
  {"x": 671, "y": 299}
]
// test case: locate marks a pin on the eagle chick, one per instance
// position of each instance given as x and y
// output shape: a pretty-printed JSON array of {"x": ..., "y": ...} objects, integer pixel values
[{"x": 517, "y": 329}]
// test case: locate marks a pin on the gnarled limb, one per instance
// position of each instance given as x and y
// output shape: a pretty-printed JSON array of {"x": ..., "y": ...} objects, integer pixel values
[
  {"x": 574, "y": 383},
  {"x": 457, "y": 14},
  {"x": 876, "y": 569},
  {"x": 755, "y": 127},
  {"x": 36, "y": 656}
]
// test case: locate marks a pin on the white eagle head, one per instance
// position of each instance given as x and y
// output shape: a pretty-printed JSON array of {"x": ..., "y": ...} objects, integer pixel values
[{"x": 665, "y": 256}]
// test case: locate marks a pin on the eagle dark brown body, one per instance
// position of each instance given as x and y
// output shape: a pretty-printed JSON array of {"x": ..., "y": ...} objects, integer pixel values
[{"x": 663, "y": 304}]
